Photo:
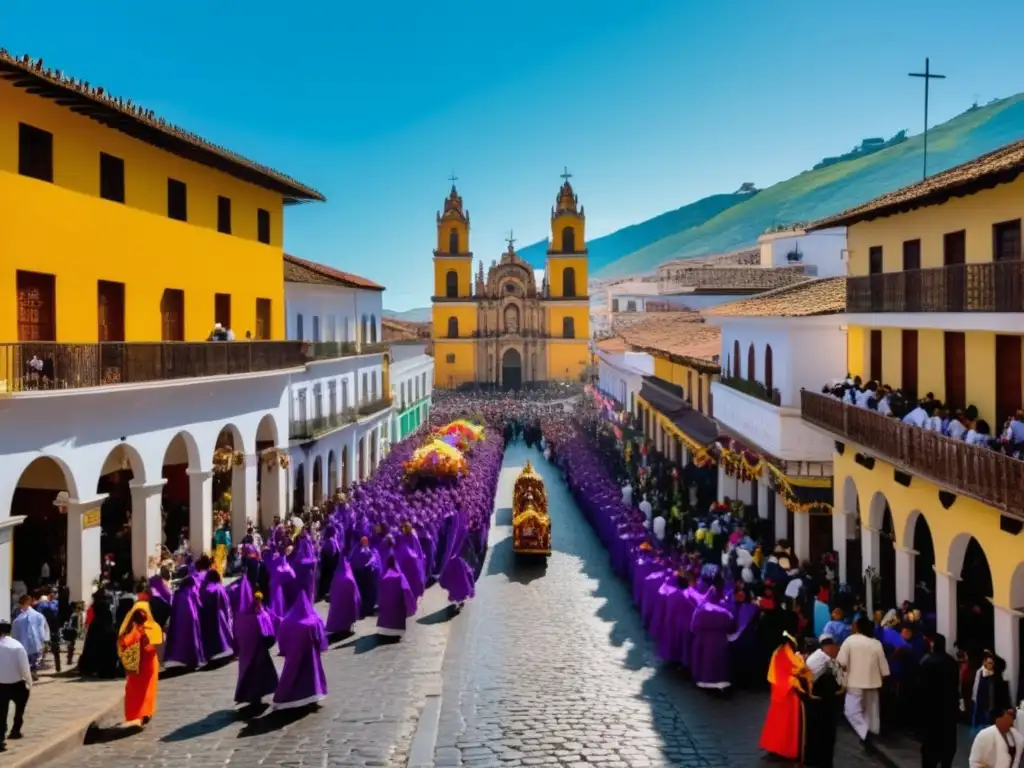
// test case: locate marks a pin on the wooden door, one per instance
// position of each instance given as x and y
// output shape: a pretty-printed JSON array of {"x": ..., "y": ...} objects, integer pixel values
[
  {"x": 875, "y": 371},
  {"x": 912, "y": 275},
  {"x": 956, "y": 369},
  {"x": 110, "y": 310},
  {"x": 37, "y": 299},
  {"x": 222, "y": 309},
  {"x": 954, "y": 258},
  {"x": 1008, "y": 379},
  {"x": 1006, "y": 241},
  {"x": 172, "y": 314},
  {"x": 263, "y": 319},
  {"x": 908, "y": 378}
]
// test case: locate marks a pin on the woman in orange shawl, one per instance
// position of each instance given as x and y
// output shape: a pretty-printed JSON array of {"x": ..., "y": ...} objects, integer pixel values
[
  {"x": 783, "y": 732},
  {"x": 137, "y": 646}
]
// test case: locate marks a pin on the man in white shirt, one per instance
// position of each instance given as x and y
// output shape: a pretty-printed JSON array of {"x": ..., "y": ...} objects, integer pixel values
[
  {"x": 1000, "y": 745},
  {"x": 15, "y": 683},
  {"x": 864, "y": 666},
  {"x": 647, "y": 509},
  {"x": 864, "y": 397},
  {"x": 30, "y": 630},
  {"x": 918, "y": 417}
]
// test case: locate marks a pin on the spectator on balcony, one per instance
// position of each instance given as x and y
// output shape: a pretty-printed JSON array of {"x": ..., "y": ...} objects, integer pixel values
[
  {"x": 883, "y": 402},
  {"x": 979, "y": 434},
  {"x": 1013, "y": 436},
  {"x": 920, "y": 415},
  {"x": 218, "y": 333},
  {"x": 959, "y": 424}
]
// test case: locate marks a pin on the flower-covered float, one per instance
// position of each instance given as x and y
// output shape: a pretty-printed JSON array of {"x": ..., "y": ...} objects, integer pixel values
[{"x": 437, "y": 459}]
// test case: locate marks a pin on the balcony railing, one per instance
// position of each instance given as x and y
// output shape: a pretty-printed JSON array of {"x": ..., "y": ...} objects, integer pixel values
[
  {"x": 996, "y": 286},
  {"x": 989, "y": 476},
  {"x": 45, "y": 365},
  {"x": 753, "y": 388},
  {"x": 308, "y": 428},
  {"x": 373, "y": 406}
]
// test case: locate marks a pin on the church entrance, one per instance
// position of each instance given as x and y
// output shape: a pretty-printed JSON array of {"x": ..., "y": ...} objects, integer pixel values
[{"x": 511, "y": 369}]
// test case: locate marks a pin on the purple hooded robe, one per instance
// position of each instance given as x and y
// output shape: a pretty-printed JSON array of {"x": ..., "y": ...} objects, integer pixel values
[
  {"x": 301, "y": 639},
  {"x": 184, "y": 641},
  {"x": 346, "y": 604},
  {"x": 215, "y": 618},
  {"x": 712, "y": 623},
  {"x": 396, "y": 600},
  {"x": 366, "y": 569},
  {"x": 409, "y": 557},
  {"x": 283, "y": 586},
  {"x": 255, "y": 635},
  {"x": 456, "y": 575},
  {"x": 303, "y": 562}
]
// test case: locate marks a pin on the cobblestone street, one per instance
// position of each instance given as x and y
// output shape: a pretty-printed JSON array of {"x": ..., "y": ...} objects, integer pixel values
[{"x": 551, "y": 666}]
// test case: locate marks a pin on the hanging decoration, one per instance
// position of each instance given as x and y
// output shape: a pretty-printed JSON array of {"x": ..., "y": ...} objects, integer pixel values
[
  {"x": 748, "y": 466},
  {"x": 274, "y": 458},
  {"x": 703, "y": 455}
]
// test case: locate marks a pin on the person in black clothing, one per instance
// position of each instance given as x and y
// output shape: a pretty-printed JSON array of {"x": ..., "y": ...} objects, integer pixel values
[
  {"x": 99, "y": 652},
  {"x": 937, "y": 706}
]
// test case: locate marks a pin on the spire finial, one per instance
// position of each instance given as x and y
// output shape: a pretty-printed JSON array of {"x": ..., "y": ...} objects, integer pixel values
[
  {"x": 511, "y": 241},
  {"x": 565, "y": 174},
  {"x": 453, "y": 178}
]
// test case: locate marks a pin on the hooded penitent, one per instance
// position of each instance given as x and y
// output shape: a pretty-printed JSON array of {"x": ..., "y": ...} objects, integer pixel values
[
  {"x": 255, "y": 635},
  {"x": 301, "y": 639},
  {"x": 409, "y": 557},
  {"x": 711, "y": 625},
  {"x": 283, "y": 585},
  {"x": 184, "y": 641},
  {"x": 346, "y": 604},
  {"x": 366, "y": 569},
  {"x": 303, "y": 561},
  {"x": 330, "y": 554},
  {"x": 215, "y": 618},
  {"x": 396, "y": 601},
  {"x": 456, "y": 575}
]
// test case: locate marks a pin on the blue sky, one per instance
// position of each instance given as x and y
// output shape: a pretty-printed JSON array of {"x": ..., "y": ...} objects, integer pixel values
[{"x": 652, "y": 104}]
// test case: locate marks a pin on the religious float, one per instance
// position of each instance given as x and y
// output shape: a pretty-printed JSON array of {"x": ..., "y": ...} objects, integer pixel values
[{"x": 531, "y": 526}]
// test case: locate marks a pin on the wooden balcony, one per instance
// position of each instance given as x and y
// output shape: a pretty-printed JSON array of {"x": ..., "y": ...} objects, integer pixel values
[
  {"x": 996, "y": 286},
  {"x": 983, "y": 474},
  {"x": 52, "y": 366}
]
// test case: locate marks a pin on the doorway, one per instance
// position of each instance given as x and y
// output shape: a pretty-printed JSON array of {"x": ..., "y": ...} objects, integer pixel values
[{"x": 511, "y": 369}]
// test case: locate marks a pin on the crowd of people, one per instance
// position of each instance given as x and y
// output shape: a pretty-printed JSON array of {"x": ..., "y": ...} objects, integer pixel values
[{"x": 932, "y": 414}]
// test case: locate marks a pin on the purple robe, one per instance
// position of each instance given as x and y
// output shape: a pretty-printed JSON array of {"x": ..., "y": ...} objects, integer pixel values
[
  {"x": 301, "y": 639},
  {"x": 366, "y": 569},
  {"x": 396, "y": 601},
  {"x": 303, "y": 562},
  {"x": 330, "y": 554},
  {"x": 184, "y": 641},
  {"x": 712, "y": 624},
  {"x": 215, "y": 619},
  {"x": 409, "y": 557},
  {"x": 255, "y": 635},
  {"x": 456, "y": 575},
  {"x": 346, "y": 604},
  {"x": 283, "y": 586}
]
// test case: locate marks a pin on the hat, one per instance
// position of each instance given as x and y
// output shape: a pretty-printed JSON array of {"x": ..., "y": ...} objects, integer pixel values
[{"x": 5, "y": 627}]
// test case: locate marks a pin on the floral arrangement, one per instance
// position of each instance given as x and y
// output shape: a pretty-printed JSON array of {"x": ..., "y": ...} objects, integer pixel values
[
  {"x": 436, "y": 459},
  {"x": 274, "y": 458}
]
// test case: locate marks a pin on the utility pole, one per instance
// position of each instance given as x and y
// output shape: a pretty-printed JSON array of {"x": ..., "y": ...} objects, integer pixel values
[{"x": 928, "y": 76}]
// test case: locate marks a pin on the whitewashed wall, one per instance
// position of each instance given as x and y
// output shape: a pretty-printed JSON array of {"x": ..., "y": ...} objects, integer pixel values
[
  {"x": 339, "y": 311},
  {"x": 822, "y": 251},
  {"x": 350, "y": 375}
]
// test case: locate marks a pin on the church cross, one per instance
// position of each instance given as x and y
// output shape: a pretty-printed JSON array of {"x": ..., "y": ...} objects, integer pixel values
[
  {"x": 565, "y": 174},
  {"x": 453, "y": 178},
  {"x": 510, "y": 240}
]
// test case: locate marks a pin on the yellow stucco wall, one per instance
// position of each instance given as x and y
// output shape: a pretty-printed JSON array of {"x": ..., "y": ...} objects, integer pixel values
[
  {"x": 444, "y": 235},
  {"x": 65, "y": 229},
  {"x": 555, "y": 271},
  {"x": 464, "y": 313},
  {"x": 975, "y": 214},
  {"x": 453, "y": 372},
  {"x": 558, "y": 311},
  {"x": 682, "y": 375},
  {"x": 574, "y": 222},
  {"x": 566, "y": 360},
  {"x": 950, "y": 529},
  {"x": 463, "y": 267},
  {"x": 980, "y": 363}
]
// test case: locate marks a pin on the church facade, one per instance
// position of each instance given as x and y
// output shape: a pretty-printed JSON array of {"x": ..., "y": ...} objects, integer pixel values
[{"x": 501, "y": 328}]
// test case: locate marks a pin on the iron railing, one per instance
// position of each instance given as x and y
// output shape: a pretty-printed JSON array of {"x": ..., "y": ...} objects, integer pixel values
[
  {"x": 46, "y": 365},
  {"x": 981, "y": 473},
  {"x": 308, "y": 428},
  {"x": 373, "y": 406},
  {"x": 996, "y": 286}
]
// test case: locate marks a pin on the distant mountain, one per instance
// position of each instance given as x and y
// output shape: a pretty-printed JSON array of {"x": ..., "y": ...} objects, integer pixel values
[
  {"x": 828, "y": 189},
  {"x": 605, "y": 250},
  {"x": 418, "y": 315}
]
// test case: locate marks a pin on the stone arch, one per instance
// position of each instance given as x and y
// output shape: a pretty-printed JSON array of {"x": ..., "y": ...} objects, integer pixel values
[
  {"x": 751, "y": 363},
  {"x": 346, "y": 473},
  {"x": 266, "y": 430},
  {"x": 124, "y": 456},
  {"x": 917, "y": 537},
  {"x": 332, "y": 474},
  {"x": 1017, "y": 588},
  {"x": 876, "y": 511},
  {"x": 569, "y": 282},
  {"x": 231, "y": 431},
  {"x": 183, "y": 445},
  {"x": 318, "y": 481},
  {"x": 299, "y": 489}
]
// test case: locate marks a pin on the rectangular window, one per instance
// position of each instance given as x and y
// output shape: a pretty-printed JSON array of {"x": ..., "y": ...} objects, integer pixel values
[
  {"x": 37, "y": 306},
  {"x": 365, "y": 389},
  {"x": 956, "y": 369},
  {"x": 224, "y": 215},
  {"x": 909, "y": 364},
  {"x": 222, "y": 309},
  {"x": 299, "y": 330},
  {"x": 911, "y": 255},
  {"x": 111, "y": 178},
  {"x": 954, "y": 248},
  {"x": 35, "y": 152},
  {"x": 263, "y": 226},
  {"x": 449, "y": 358},
  {"x": 263, "y": 319},
  {"x": 1006, "y": 241},
  {"x": 875, "y": 260},
  {"x": 316, "y": 328},
  {"x": 177, "y": 200},
  {"x": 1008, "y": 379},
  {"x": 875, "y": 372},
  {"x": 344, "y": 394},
  {"x": 172, "y": 314},
  {"x": 110, "y": 310}
]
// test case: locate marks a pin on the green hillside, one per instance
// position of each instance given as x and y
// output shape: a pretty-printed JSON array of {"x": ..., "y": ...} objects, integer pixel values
[
  {"x": 818, "y": 193},
  {"x": 604, "y": 250}
]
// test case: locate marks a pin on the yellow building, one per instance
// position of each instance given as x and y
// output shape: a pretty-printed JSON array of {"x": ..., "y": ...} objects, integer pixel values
[
  {"x": 122, "y": 227},
  {"x": 935, "y": 296},
  {"x": 503, "y": 329}
]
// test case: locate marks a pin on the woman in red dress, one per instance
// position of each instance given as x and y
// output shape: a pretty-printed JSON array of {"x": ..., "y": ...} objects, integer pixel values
[
  {"x": 783, "y": 732},
  {"x": 137, "y": 646}
]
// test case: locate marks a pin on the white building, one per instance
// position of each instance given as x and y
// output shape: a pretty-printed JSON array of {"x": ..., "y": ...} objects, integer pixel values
[
  {"x": 412, "y": 381},
  {"x": 621, "y": 371},
  {"x": 822, "y": 253},
  {"x": 774, "y": 345},
  {"x": 340, "y": 404}
]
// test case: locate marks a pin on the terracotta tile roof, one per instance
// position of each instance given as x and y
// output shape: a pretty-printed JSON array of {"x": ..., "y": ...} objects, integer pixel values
[
  {"x": 143, "y": 124},
  {"x": 730, "y": 277},
  {"x": 398, "y": 330},
  {"x": 824, "y": 296},
  {"x": 999, "y": 167},
  {"x": 613, "y": 345},
  {"x": 683, "y": 334},
  {"x": 298, "y": 270}
]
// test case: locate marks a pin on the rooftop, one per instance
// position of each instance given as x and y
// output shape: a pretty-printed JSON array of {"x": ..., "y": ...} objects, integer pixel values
[
  {"x": 733, "y": 277},
  {"x": 298, "y": 270},
  {"x": 682, "y": 334},
  {"x": 824, "y": 296},
  {"x": 999, "y": 167},
  {"x": 143, "y": 124},
  {"x": 613, "y": 346}
]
